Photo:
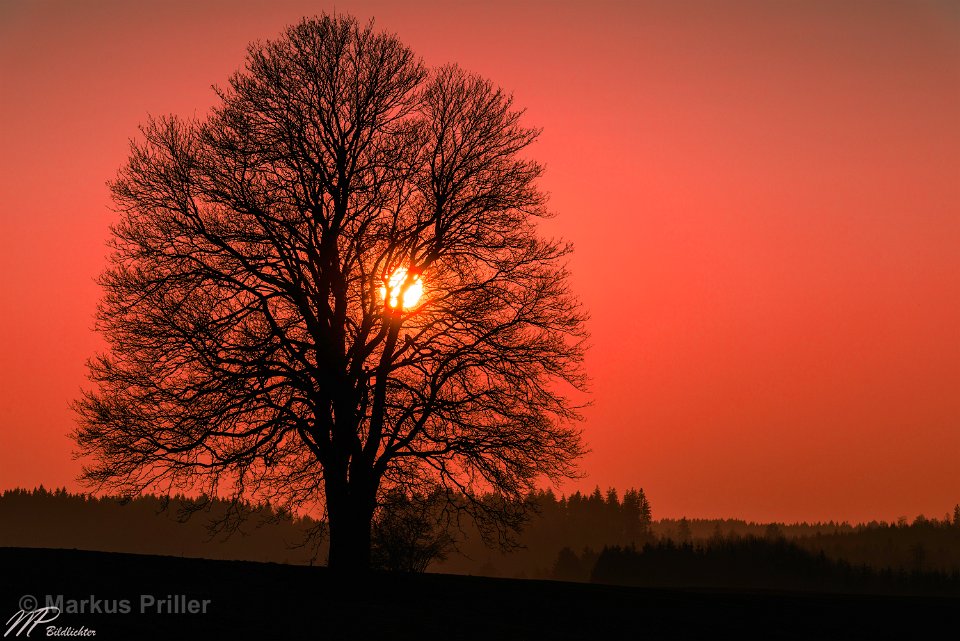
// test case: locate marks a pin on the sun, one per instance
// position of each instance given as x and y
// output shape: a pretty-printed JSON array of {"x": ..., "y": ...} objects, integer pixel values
[{"x": 401, "y": 289}]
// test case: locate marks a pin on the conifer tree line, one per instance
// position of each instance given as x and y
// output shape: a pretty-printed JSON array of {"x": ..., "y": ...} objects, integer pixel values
[{"x": 580, "y": 537}]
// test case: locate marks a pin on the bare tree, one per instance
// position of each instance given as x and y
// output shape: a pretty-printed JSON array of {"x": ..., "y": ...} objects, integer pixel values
[
  {"x": 409, "y": 532},
  {"x": 332, "y": 286}
]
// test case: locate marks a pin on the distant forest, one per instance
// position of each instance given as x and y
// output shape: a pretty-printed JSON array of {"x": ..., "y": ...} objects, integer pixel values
[
  {"x": 602, "y": 537},
  {"x": 151, "y": 525}
]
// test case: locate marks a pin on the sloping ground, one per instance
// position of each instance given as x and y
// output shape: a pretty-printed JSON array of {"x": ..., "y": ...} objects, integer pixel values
[{"x": 271, "y": 601}]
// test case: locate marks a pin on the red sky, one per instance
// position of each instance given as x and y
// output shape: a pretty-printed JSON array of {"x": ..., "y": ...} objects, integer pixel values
[{"x": 764, "y": 199}]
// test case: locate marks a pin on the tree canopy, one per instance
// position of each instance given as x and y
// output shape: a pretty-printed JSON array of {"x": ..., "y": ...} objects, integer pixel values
[{"x": 333, "y": 286}]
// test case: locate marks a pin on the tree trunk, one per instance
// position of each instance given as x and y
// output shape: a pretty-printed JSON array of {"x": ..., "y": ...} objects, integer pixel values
[{"x": 350, "y": 515}]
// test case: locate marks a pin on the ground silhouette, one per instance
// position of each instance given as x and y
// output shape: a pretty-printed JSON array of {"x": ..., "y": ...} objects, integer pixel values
[{"x": 252, "y": 600}]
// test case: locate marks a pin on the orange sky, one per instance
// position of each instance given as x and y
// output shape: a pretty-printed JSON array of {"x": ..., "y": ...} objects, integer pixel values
[{"x": 764, "y": 199}]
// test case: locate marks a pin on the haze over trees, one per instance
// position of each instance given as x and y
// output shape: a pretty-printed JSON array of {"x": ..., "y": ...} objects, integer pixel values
[
  {"x": 596, "y": 537},
  {"x": 332, "y": 288},
  {"x": 152, "y": 524}
]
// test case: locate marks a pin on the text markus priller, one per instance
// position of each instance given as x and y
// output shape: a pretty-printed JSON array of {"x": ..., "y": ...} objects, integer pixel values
[
  {"x": 146, "y": 604},
  {"x": 32, "y": 614}
]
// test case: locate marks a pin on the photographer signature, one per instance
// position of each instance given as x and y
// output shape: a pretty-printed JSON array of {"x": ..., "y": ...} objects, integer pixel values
[{"x": 25, "y": 620}]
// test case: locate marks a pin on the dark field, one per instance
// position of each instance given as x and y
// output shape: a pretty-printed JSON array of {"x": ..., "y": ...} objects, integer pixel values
[{"x": 272, "y": 601}]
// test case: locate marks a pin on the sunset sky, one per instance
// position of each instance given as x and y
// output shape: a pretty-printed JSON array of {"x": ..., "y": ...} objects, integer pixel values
[{"x": 764, "y": 199}]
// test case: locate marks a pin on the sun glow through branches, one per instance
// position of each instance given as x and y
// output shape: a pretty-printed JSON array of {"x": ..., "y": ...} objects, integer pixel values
[{"x": 403, "y": 290}]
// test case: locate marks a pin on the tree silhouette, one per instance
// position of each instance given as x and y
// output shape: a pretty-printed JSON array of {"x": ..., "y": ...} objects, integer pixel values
[
  {"x": 409, "y": 533},
  {"x": 332, "y": 287}
]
